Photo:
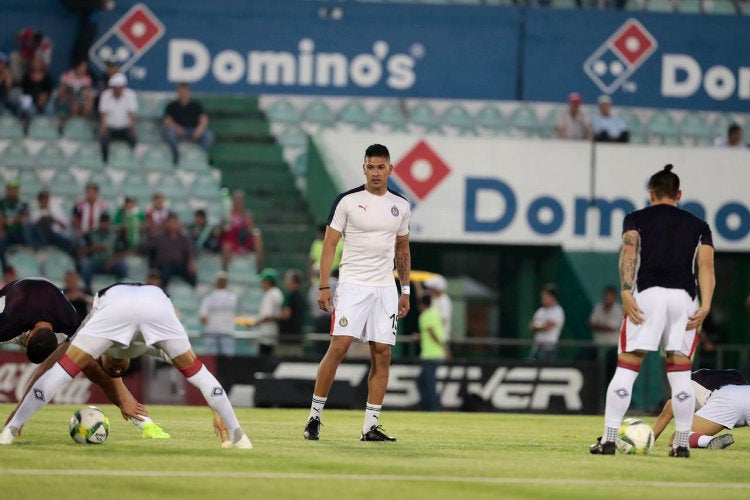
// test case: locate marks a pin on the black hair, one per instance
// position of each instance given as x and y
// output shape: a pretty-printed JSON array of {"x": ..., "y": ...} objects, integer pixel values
[
  {"x": 200, "y": 213},
  {"x": 551, "y": 289},
  {"x": 733, "y": 129},
  {"x": 426, "y": 300},
  {"x": 40, "y": 345},
  {"x": 665, "y": 183},
  {"x": 377, "y": 150}
]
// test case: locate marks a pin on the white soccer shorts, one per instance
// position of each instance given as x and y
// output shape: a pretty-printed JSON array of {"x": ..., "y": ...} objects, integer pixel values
[
  {"x": 665, "y": 313},
  {"x": 125, "y": 310},
  {"x": 368, "y": 313},
  {"x": 728, "y": 406}
]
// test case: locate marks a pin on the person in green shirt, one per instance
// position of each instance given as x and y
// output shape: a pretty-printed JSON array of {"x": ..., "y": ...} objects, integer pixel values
[
  {"x": 433, "y": 352},
  {"x": 132, "y": 219}
]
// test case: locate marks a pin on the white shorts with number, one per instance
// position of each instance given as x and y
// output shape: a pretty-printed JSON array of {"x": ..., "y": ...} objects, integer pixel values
[
  {"x": 368, "y": 313},
  {"x": 728, "y": 406},
  {"x": 125, "y": 310},
  {"x": 665, "y": 315}
]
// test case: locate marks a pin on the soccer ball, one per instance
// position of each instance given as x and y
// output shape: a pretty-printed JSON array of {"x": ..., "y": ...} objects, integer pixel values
[
  {"x": 635, "y": 437},
  {"x": 89, "y": 426}
]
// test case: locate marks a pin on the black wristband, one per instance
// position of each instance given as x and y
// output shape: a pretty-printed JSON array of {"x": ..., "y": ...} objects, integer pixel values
[{"x": 324, "y": 288}]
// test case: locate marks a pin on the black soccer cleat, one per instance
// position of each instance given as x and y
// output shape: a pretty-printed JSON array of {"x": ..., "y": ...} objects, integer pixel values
[
  {"x": 720, "y": 442},
  {"x": 376, "y": 434},
  {"x": 599, "y": 448},
  {"x": 680, "y": 452},
  {"x": 312, "y": 429}
]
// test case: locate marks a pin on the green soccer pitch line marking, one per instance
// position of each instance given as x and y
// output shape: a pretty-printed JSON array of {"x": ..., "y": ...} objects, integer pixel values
[{"x": 365, "y": 477}]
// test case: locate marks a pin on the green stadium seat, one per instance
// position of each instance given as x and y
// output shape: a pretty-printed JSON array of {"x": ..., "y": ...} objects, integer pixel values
[
  {"x": 422, "y": 115},
  {"x": 208, "y": 265},
  {"x": 182, "y": 208},
  {"x": 138, "y": 187},
  {"x": 78, "y": 129},
  {"x": 107, "y": 188},
  {"x": 525, "y": 120},
  {"x": 242, "y": 269},
  {"x": 283, "y": 111},
  {"x": 151, "y": 107},
  {"x": 137, "y": 267},
  {"x": 65, "y": 184},
  {"x": 250, "y": 299},
  {"x": 194, "y": 160},
  {"x": 319, "y": 113},
  {"x": 354, "y": 113},
  {"x": 52, "y": 156},
  {"x": 149, "y": 131},
  {"x": 122, "y": 158},
  {"x": 292, "y": 136},
  {"x": 549, "y": 125},
  {"x": 661, "y": 124},
  {"x": 299, "y": 167},
  {"x": 17, "y": 156},
  {"x": 54, "y": 263},
  {"x": 490, "y": 118},
  {"x": 88, "y": 156},
  {"x": 171, "y": 186},
  {"x": 184, "y": 296},
  {"x": 724, "y": 7},
  {"x": 44, "y": 127},
  {"x": 390, "y": 114},
  {"x": 204, "y": 186},
  {"x": 31, "y": 183},
  {"x": 660, "y": 6},
  {"x": 695, "y": 130},
  {"x": 25, "y": 263},
  {"x": 720, "y": 124},
  {"x": 158, "y": 158},
  {"x": 10, "y": 128},
  {"x": 459, "y": 118}
]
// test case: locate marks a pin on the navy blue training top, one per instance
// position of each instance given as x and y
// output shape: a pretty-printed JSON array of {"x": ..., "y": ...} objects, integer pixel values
[
  {"x": 670, "y": 238},
  {"x": 29, "y": 300}
]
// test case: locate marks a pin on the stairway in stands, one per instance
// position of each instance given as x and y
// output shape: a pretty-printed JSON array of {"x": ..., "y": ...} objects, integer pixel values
[{"x": 250, "y": 159}]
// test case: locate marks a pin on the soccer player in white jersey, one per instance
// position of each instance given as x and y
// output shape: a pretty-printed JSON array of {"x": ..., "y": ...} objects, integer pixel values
[
  {"x": 119, "y": 313},
  {"x": 661, "y": 245},
  {"x": 374, "y": 223}
]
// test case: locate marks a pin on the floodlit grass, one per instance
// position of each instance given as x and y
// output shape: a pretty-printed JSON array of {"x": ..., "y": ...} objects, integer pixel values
[{"x": 446, "y": 455}]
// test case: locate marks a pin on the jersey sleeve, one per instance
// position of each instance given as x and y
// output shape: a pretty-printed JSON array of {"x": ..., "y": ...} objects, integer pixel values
[
  {"x": 629, "y": 223},
  {"x": 706, "y": 238},
  {"x": 337, "y": 219},
  {"x": 403, "y": 230}
]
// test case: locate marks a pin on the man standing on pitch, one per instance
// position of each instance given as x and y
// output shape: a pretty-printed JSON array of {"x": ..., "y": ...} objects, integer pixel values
[
  {"x": 661, "y": 245},
  {"x": 375, "y": 225}
]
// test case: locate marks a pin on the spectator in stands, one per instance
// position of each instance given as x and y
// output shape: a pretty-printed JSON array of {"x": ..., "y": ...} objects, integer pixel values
[
  {"x": 269, "y": 314},
  {"x": 438, "y": 290},
  {"x": 546, "y": 326},
  {"x": 16, "y": 215},
  {"x": 572, "y": 122},
  {"x": 6, "y": 83},
  {"x": 75, "y": 95},
  {"x": 103, "y": 251},
  {"x": 172, "y": 253},
  {"x": 240, "y": 234},
  {"x": 87, "y": 210},
  {"x": 733, "y": 138},
  {"x": 205, "y": 236},
  {"x": 117, "y": 108},
  {"x": 80, "y": 300},
  {"x": 32, "y": 44},
  {"x": 157, "y": 215},
  {"x": 605, "y": 323},
  {"x": 131, "y": 219},
  {"x": 9, "y": 275},
  {"x": 185, "y": 119},
  {"x": 217, "y": 312},
  {"x": 36, "y": 92},
  {"x": 49, "y": 226},
  {"x": 293, "y": 308},
  {"x": 608, "y": 127},
  {"x": 112, "y": 66},
  {"x": 433, "y": 352}
]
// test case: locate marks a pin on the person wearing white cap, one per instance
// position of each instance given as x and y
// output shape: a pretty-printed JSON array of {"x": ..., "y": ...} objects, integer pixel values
[
  {"x": 117, "y": 108},
  {"x": 437, "y": 286},
  {"x": 608, "y": 127}
]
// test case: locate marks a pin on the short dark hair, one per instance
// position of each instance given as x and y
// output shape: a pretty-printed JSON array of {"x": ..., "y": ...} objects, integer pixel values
[
  {"x": 41, "y": 345},
  {"x": 665, "y": 183},
  {"x": 200, "y": 213},
  {"x": 733, "y": 129},
  {"x": 551, "y": 289},
  {"x": 377, "y": 150},
  {"x": 426, "y": 300}
]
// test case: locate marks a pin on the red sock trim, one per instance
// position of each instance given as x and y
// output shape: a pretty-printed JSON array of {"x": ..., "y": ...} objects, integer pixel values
[
  {"x": 192, "y": 369},
  {"x": 694, "y": 436},
  {"x": 629, "y": 366},
  {"x": 70, "y": 367},
  {"x": 678, "y": 367}
]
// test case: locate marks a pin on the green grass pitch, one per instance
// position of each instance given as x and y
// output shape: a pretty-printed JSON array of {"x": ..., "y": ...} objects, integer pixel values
[{"x": 439, "y": 455}]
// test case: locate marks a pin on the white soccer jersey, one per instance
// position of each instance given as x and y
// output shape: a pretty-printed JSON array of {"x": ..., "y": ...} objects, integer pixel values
[{"x": 369, "y": 224}]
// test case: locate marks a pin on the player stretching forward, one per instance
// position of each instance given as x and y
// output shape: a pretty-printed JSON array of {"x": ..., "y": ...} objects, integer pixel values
[
  {"x": 722, "y": 401},
  {"x": 119, "y": 312},
  {"x": 375, "y": 224},
  {"x": 661, "y": 242}
]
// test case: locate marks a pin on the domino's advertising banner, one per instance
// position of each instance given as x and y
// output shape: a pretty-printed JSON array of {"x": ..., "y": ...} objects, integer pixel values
[
  {"x": 313, "y": 48},
  {"x": 514, "y": 192},
  {"x": 650, "y": 60}
]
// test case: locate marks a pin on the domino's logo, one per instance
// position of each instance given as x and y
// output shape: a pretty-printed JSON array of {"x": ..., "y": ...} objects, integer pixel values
[
  {"x": 620, "y": 56},
  {"x": 419, "y": 172},
  {"x": 128, "y": 39}
]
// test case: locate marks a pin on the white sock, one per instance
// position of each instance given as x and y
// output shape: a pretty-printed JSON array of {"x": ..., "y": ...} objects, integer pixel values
[
  {"x": 683, "y": 404},
  {"x": 141, "y": 423},
  {"x": 372, "y": 414},
  {"x": 316, "y": 408},
  {"x": 703, "y": 440},
  {"x": 41, "y": 393},
  {"x": 619, "y": 393},
  {"x": 217, "y": 399}
]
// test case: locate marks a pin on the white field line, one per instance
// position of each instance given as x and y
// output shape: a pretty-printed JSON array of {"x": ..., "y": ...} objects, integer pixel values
[{"x": 366, "y": 477}]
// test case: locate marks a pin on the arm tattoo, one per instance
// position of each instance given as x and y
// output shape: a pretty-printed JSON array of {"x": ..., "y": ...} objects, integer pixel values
[
  {"x": 403, "y": 262},
  {"x": 628, "y": 260}
]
